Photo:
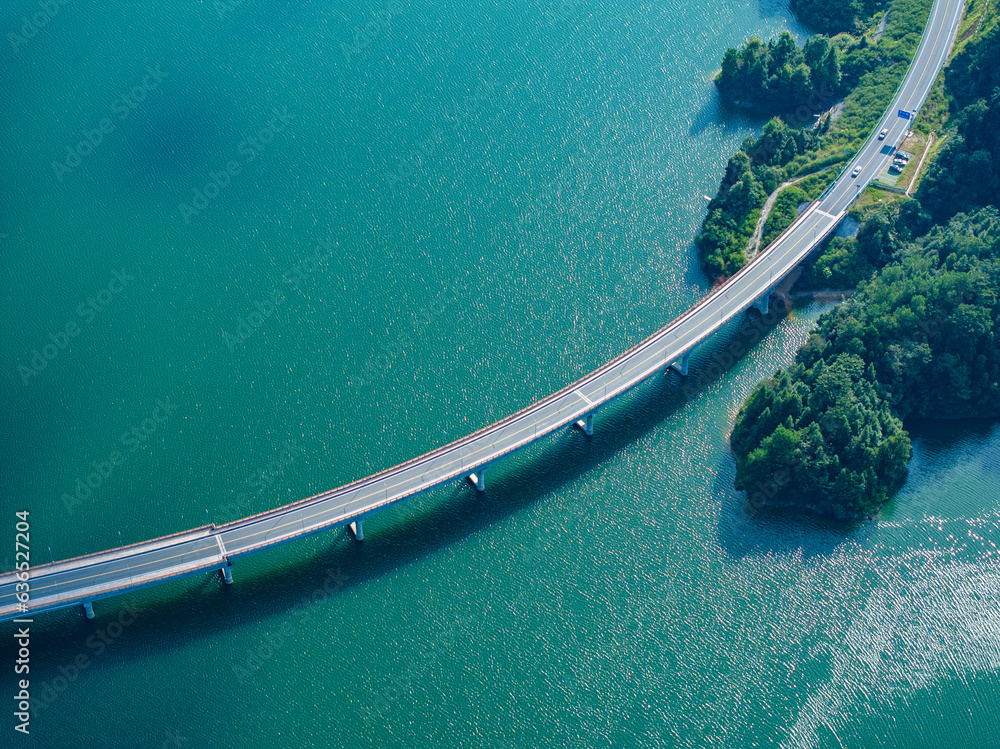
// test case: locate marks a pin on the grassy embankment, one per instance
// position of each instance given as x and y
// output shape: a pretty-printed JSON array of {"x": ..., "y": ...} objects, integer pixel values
[
  {"x": 980, "y": 19},
  {"x": 863, "y": 107}
]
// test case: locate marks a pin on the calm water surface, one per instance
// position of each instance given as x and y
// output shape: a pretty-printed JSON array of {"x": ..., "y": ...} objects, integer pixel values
[{"x": 402, "y": 221}]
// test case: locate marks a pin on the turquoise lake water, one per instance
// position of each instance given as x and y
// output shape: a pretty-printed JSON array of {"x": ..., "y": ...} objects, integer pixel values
[{"x": 332, "y": 237}]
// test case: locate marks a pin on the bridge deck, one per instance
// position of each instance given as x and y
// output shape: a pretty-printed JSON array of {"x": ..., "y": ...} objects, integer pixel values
[{"x": 103, "y": 574}]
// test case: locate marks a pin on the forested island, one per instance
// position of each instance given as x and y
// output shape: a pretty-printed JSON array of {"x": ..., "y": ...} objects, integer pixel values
[{"x": 918, "y": 339}]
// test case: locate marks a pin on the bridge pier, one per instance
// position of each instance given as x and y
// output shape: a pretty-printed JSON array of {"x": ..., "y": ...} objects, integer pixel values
[
  {"x": 478, "y": 479},
  {"x": 683, "y": 368},
  {"x": 763, "y": 303},
  {"x": 227, "y": 573},
  {"x": 586, "y": 424},
  {"x": 88, "y": 609},
  {"x": 358, "y": 529}
]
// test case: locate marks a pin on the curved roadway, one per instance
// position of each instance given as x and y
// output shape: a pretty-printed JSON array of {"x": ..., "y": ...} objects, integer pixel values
[{"x": 100, "y": 575}]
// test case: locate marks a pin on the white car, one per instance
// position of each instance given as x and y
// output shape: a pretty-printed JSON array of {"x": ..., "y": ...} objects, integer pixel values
[
  {"x": 856, "y": 172},
  {"x": 885, "y": 132}
]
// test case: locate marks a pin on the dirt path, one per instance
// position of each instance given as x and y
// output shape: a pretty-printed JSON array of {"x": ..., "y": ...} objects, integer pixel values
[
  {"x": 881, "y": 27},
  {"x": 973, "y": 30},
  {"x": 753, "y": 246}
]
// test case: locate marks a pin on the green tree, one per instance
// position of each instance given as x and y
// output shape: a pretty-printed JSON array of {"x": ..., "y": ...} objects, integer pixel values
[
  {"x": 833, "y": 16},
  {"x": 815, "y": 50},
  {"x": 918, "y": 340},
  {"x": 827, "y": 74},
  {"x": 783, "y": 52},
  {"x": 966, "y": 174},
  {"x": 975, "y": 73},
  {"x": 729, "y": 76},
  {"x": 820, "y": 437}
]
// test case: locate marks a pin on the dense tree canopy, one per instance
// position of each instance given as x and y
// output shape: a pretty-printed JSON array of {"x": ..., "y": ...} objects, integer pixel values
[
  {"x": 751, "y": 175},
  {"x": 928, "y": 323},
  {"x": 886, "y": 228},
  {"x": 918, "y": 340},
  {"x": 821, "y": 437},
  {"x": 778, "y": 75},
  {"x": 832, "y": 16},
  {"x": 967, "y": 173},
  {"x": 975, "y": 73}
]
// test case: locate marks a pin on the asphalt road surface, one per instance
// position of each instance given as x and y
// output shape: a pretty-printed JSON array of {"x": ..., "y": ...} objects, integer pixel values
[{"x": 104, "y": 574}]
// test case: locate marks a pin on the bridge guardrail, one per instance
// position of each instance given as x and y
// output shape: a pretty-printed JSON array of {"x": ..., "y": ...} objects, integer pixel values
[{"x": 522, "y": 415}]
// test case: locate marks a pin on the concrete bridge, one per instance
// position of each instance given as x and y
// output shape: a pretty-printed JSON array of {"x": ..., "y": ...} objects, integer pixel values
[{"x": 83, "y": 580}]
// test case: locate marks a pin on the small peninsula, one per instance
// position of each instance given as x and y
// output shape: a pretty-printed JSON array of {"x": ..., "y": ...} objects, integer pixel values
[{"x": 918, "y": 339}]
